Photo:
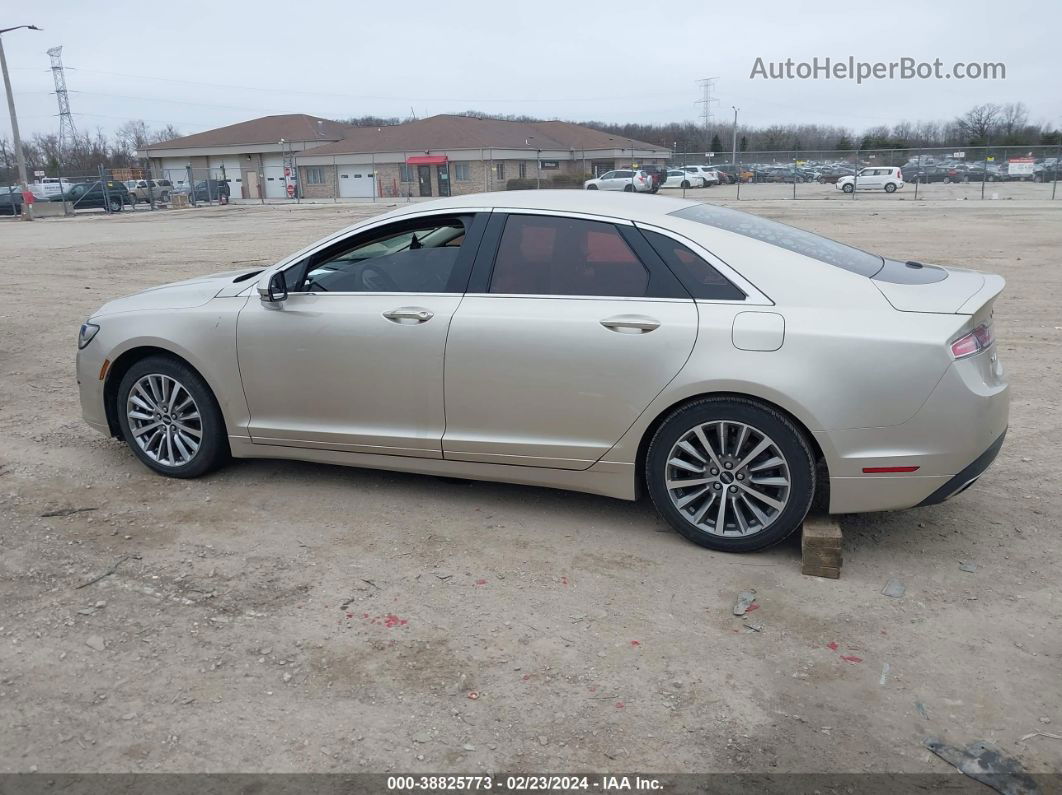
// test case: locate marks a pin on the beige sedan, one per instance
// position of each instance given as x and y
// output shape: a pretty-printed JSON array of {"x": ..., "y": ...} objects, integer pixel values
[{"x": 730, "y": 366}]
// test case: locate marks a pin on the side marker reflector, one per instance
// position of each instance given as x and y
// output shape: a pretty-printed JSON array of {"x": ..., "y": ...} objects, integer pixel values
[
  {"x": 103, "y": 370},
  {"x": 880, "y": 470}
]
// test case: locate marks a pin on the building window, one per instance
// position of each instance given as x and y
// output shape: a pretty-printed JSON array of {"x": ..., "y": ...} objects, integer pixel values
[
  {"x": 315, "y": 176},
  {"x": 499, "y": 170},
  {"x": 405, "y": 174},
  {"x": 462, "y": 172},
  {"x": 523, "y": 170}
]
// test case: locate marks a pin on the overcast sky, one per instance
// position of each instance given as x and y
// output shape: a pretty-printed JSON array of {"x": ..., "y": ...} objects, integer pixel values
[{"x": 205, "y": 64}]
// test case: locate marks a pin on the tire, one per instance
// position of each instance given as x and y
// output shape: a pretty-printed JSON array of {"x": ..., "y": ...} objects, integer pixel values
[
  {"x": 748, "y": 524},
  {"x": 165, "y": 198},
  {"x": 115, "y": 204},
  {"x": 685, "y": 183},
  {"x": 947, "y": 180},
  {"x": 628, "y": 189},
  {"x": 848, "y": 188},
  {"x": 171, "y": 454},
  {"x": 890, "y": 187},
  {"x": 591, "y": 187}
]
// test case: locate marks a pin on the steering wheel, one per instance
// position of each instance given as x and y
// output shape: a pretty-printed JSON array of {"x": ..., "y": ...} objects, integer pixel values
[{"x": 375, "y": 280}]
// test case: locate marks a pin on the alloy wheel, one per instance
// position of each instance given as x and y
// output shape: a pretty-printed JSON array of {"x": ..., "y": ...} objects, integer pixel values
[
  {"x": 164, "y": 420},
  {"x": 728, "y": 478}
]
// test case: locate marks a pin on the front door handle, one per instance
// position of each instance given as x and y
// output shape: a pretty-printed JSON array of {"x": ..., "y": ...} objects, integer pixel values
[
  {"x": 631, "y": 324},
  {"x": 405, "y": 314}
]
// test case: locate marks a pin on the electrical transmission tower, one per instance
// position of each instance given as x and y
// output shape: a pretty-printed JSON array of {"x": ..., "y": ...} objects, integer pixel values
[
  {"x": 66, "y": 119},
  {"x": 707, "y": 89}
]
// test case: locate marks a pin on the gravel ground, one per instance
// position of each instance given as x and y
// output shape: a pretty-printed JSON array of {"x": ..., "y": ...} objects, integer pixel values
[{"x": 281, "y": 616}]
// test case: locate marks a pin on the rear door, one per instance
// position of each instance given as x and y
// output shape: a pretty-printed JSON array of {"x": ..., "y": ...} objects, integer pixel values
[{"x": 569, "y": 330}]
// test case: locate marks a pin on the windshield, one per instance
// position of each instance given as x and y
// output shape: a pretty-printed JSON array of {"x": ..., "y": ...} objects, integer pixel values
[{"x": 790, "y": 238}]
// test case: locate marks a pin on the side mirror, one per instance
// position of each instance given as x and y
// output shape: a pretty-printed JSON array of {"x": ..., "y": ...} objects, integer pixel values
[{"x": 276, "y": 290}]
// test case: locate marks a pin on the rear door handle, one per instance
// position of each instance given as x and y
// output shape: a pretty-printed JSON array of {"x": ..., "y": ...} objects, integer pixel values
[
  {"x": 628, "y": 324},
  {"x": 405, "y": 314}
]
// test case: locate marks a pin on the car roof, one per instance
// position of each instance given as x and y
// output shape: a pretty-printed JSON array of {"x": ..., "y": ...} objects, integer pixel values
[{"x": 618, "y": 204}]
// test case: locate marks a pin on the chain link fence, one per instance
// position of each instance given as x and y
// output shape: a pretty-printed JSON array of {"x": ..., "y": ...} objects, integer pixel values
[{"x": 929, "y": 174}]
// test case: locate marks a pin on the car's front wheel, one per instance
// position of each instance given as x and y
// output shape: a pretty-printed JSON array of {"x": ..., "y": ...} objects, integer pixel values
[
  {"x": 848, "y": 187},
  {"x": 591, "y": 187},
  {"x": 170, "y": 419},
  {"x": 731, "y": 474}
]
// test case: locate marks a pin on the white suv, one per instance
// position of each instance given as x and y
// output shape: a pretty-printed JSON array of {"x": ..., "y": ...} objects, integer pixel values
[
  {"x": 886, "y": 178},
  {"x": 626, "y": 179}
]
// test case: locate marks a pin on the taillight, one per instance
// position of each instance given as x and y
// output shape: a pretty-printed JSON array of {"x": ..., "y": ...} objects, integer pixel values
[{"x": 974, "y": 342}]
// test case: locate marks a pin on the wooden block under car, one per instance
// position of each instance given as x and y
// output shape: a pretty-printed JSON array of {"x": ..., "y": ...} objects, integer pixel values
[{"x": 821, "y": 547}]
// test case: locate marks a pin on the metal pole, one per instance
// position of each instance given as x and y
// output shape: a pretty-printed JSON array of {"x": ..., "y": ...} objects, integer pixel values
[
  {"x": 855, "y": 175},
  {"x": 733, "y": 151},
  {"x": 794, "y": 175},
  {"x": 335, "y": 180},
  {"x": 147, "y": 180},
  {"x": 191, "y": 184},
  {"x": 1058, "y": 165},
  {"x": 984, "y": 173},
  {"x": 295, "y": 172},
  {"x": 103, "y": 187},
  {"x": 375, "y": 187},
  {"x": 918, "y": 173},
  {"x": 27, "y": 207},
  {"x": 538, "y": 170}
]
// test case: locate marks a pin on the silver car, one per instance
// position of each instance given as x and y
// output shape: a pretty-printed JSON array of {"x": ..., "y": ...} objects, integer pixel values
[{"x": 732, "y": 367}]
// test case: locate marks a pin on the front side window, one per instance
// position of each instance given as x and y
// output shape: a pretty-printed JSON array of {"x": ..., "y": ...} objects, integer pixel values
[
  {"x": 415, "y": 256},
  {"x": 790, "y": 238},
  {"x": 551, "y": 255},
  {"x": 500, "y": 169},
  {"x": 405, "y": 174}
]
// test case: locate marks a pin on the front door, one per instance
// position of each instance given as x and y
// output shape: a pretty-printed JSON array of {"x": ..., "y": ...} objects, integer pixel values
[
  {"x": 424, "y": 178},
  {"x": 443, "y": 174},
  {"x": 352, "y": 360},
  {"x": 557, "y": 358},
  {"x": 250, "y": 185}
]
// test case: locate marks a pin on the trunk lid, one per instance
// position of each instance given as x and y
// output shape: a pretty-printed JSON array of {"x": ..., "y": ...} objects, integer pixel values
[{"x": 935, "y": 289}]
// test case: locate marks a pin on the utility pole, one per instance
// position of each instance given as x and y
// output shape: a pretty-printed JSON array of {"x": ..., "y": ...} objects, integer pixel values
[
  {"x": 733, "y": 152},
  {"x": 27, "y": 209},
  {"x": 707, "y": 89}
]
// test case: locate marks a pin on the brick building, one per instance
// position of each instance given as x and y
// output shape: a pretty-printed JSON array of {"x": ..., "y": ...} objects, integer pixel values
[{"x": 281, "y": 156}]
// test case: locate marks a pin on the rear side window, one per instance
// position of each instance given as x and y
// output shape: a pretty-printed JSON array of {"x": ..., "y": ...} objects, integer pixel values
[
  {"x": 696, "y": 275},
  {"x": 549, "y": 255},
  {"x": 790, "y": 238}
]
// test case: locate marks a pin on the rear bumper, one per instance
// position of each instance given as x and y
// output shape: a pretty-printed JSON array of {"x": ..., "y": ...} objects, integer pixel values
[
  {"x": 951, "y": 440},
  {"x": 966, "y": 478}
]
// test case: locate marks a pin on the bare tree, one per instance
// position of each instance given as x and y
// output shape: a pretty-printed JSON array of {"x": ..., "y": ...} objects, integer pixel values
[{"x": 978, "y": 122}]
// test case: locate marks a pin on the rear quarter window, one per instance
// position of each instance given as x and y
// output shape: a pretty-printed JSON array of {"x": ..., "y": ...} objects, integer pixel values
[{"x": 790, "y": 238}]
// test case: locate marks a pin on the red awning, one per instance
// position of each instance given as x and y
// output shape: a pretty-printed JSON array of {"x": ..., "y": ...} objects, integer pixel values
[{"x": 426, "y": 160}]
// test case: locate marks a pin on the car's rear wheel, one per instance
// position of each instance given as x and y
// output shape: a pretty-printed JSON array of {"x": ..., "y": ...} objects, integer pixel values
[
  {"x": 628, "y": 188},
  {"x": 170, "y": 419},
  {"x": 890, "y": 188},
  {"x": 731, "y": 474},
  {"x": 848, "y": 188}
]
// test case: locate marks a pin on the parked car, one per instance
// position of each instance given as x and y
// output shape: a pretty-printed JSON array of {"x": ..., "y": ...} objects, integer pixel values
[
  {"x": 657, "y": 174},
  {"x": 788, "y": 174},
  {"x": 707, "y": 174},
  {"x": 11, "y": 201},
  {"x": 830, "y": 175},
  {"x": 886, "y": 178},
  {"x": 780, "y": 362},
  {"x": 210, "y": 190},
  {"x": 680, "y": 178},
  {"x": 735, "y": 172},
  {"x": 46, "y": 187},
  {"x": 147, "y": 190},
  {"x": 111, "y": 195},
  {"x": 624, "y": 179}
]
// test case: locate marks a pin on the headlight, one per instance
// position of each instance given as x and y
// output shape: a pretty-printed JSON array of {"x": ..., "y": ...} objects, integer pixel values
[{"x": 88, "y": 331}]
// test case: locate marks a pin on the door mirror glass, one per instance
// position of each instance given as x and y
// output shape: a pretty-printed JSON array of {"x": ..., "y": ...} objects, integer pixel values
[{"x": 276, "y": 289}]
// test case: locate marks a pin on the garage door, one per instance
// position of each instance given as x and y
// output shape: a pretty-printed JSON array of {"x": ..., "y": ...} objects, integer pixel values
[
  {"x": 355, "y": 182},
  {"x": 233, "y": 175}
]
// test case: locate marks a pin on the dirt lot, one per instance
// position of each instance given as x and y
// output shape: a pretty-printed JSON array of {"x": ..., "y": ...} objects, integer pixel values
[{"x": 294, "y": 617}]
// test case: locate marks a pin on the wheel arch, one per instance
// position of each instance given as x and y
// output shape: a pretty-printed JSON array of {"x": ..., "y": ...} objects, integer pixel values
[
  {"x": 120, "y": 366},
  {"x": 822, "y": 484}
]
